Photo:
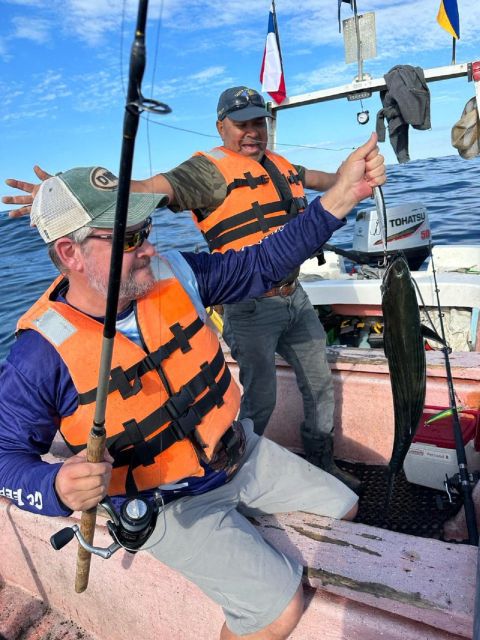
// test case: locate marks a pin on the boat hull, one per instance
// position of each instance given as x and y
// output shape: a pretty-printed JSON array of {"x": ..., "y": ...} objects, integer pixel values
[
  {"x": 362, "y": 582},
  {"x": 364, "y": 428}
]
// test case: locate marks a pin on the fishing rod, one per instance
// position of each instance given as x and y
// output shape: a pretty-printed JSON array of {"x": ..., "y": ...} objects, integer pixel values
[
  {"x": 464, "y": 476},
  {"x": 135, "y": 104}
]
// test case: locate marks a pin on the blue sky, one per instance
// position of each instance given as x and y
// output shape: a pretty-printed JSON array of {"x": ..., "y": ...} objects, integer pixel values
[{"x": 63, "y": 73}]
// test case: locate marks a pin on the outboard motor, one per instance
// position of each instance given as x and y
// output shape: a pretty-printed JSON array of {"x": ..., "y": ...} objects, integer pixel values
[{"x": 408, "y": 230}]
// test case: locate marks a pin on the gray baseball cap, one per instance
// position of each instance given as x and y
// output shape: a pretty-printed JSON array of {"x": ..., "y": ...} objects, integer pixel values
[
  {"x": 241, "y": 104},
  {"x": 86, "y": 197}
]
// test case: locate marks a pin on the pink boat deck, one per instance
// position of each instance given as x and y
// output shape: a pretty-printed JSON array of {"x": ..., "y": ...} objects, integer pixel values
[{"x": 363, "y": 582}]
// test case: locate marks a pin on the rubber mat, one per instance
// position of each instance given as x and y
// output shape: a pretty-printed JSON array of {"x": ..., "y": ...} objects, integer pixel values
[{"x": 413, "y": 509}]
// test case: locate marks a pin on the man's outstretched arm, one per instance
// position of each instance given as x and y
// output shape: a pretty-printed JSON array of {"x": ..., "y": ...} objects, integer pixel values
[{"x": 30, "y": 188}]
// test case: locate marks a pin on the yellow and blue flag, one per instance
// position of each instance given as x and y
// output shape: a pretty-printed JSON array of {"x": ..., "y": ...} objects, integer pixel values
[{"x": 448, "y": 17}]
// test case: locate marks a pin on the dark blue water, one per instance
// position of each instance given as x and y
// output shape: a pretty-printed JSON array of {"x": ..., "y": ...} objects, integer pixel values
[{"x": 449, "y": 187}]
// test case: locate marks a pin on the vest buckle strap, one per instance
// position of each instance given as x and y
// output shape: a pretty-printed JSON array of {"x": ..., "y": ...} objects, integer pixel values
[
  {"x": 293, "y": 178},
  {"x": 183, "y": 426},
  {"x": 297, "y": 205},
  {"x": 149, "y": 363},
  {"x": 177, "y": 404}
]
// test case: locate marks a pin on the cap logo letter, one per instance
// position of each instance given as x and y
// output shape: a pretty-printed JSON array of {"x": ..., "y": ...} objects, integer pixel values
[{"x": 101, "y": 178}]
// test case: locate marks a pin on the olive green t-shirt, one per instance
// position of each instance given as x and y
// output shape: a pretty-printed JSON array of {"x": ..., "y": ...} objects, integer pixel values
[{"x": 198, "y": 185}]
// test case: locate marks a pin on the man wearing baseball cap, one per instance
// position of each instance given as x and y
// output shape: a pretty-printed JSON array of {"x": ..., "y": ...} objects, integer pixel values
[
  {"x": 239, "y": 193},
  {"x": 171, "y": 414}
]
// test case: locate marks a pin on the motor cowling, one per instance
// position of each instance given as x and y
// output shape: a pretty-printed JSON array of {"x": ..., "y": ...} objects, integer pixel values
[{"x": 408, "y": 231}]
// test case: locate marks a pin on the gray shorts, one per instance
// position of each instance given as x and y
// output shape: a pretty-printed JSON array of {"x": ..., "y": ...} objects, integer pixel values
[{"x": 209, "y": 539}]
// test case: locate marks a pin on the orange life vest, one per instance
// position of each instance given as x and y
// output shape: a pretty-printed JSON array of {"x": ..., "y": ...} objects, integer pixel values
[
  {"x": 253, "y": 207},
  {"x": 168, "y": 405}
]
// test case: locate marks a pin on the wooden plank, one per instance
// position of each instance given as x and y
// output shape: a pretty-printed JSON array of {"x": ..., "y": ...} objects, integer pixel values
[{"x": 422, "y": 580}]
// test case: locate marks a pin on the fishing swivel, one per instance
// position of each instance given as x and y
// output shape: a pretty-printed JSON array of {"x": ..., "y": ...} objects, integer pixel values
[{"x": 130, "y": 528}]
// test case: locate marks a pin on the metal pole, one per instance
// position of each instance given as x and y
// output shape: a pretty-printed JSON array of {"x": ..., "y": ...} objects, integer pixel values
[{"x": 359, "y": 44}]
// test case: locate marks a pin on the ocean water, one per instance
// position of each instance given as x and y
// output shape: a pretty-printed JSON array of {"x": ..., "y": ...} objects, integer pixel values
[{"x": 449, "y": 187}]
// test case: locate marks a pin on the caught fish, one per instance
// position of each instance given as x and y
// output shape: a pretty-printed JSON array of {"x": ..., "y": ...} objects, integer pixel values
[{"x": 404, "y": 349}]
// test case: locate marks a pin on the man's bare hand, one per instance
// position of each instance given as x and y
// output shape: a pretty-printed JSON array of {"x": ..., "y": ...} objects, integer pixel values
[
  {"x": 29, "y": 187},
  {"x": 81, "y": 485},
  {"x": 363, "y": 170}
]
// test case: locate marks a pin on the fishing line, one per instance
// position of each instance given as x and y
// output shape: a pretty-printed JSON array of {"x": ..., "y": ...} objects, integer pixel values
[
  {"x": 432, "y": 324},
  {"x": 154, "y": 71},
  {"x": 280, "y": 144},
  {"x": 122, "y": 42},
  {"x": 148, "y": 116}
]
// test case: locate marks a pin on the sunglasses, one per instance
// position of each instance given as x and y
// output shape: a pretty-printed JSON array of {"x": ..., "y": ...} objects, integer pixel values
[
  {"x": 133, "y": 239},
  {"x": 240, "y": 102}
]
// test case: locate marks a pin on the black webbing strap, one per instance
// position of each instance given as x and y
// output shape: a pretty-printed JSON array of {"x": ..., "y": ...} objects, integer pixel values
[
  {"x": 128, "y": 382},
  {"x": 178, "y": 404},
  {"x": 248, "y": 229},
  {"x": 236, "y": 226},
  {"x": 137, "y": 440},
  {"x": 181, "y": 337},
  {"x": 283, "y": 184},
  {"x": 183, "y": 427},
  {"x": 247, "y": 181}
]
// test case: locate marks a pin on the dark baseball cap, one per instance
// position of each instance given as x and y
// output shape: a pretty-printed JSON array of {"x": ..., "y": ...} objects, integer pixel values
[{"x": 241, "y": 104}]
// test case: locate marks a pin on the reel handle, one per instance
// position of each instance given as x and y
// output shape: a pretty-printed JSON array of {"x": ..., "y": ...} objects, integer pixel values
[{"x": 62, "y": 538}]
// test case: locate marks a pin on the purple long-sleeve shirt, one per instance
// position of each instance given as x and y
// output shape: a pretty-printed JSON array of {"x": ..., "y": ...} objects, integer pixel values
[{"x": 36, "y": 389}]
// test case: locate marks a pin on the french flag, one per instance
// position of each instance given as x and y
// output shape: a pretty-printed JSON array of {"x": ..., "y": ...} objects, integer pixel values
[{"x": 271, "y": 73}]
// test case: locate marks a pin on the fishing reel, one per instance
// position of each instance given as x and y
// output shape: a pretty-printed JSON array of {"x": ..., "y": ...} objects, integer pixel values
[
  {"x": 453, "y": 486},
  {"x": 130, "y": 528}
]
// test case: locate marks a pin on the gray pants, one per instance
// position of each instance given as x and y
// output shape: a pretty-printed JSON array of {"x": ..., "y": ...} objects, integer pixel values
[
  {"x": 209, "y": 539},
  {"x": 256, "y": 329}
]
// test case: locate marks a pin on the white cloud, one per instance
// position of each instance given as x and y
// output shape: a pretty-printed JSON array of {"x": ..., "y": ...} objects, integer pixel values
[
  {"x": 37, "y": 30},
  {"x": 208, "y": 74},
  {"x": 5, "y": 55},
  {"x": 26, "y": 3}
]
